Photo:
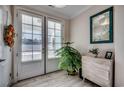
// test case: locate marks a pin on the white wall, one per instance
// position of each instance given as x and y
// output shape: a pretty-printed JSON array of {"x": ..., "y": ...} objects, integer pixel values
[
  {"x": 80, "y": 35},
  {"x": 80, "y": 31},
  {"x": 6, "y": 53},
  {"x": 119, "y": 45}
]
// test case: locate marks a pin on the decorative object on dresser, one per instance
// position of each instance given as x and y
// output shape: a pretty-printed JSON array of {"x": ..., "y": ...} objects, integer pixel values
[
  {"x": 98, "y": 70},
  {"x": 108, "y": 55},
  {"x": 94, "y": 51}
]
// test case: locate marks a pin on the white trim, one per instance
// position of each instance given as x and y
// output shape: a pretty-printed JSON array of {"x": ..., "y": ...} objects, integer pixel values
[
  {"x": 50, "y": 12},
  {"x": 56, "y": 15},
  {"x": 81, "y": 11}
]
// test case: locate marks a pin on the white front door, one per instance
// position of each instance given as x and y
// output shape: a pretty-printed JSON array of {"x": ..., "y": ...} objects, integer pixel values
[
  {"x": 30, "y": 45},
  {"x": 54, "y": 42},
  {"x": 38, "y": 39}
]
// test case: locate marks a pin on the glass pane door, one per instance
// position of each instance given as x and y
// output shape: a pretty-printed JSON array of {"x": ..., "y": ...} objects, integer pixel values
[
  {"x": 54, "y": 38},
  {"x": 31, "y": 38},
  {"x": 54, "y": 43},
  {"x": 36, "y": 46},
  {"x": 31, "y": 46}
]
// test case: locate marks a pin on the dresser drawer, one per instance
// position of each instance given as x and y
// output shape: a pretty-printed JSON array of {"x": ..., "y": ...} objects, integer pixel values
[
  {"x": 97, "y": 70},
  {"x": 93, "y": 63},
  {"x": 98, "y": 80}
]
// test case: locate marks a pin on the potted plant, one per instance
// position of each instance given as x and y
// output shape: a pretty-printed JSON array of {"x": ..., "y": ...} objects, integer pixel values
[{"x": 70, "y": 59}]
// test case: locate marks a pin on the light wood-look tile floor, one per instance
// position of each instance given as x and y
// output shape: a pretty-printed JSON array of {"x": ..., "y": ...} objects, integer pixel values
[{"x": 55, "y": 79}]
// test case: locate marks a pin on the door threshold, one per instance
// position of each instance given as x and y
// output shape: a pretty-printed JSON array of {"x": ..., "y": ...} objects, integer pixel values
[{"x": 33, "y": 77}]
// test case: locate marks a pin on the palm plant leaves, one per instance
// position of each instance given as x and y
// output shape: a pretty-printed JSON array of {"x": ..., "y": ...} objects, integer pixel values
[{"x": 70, "y": 58}]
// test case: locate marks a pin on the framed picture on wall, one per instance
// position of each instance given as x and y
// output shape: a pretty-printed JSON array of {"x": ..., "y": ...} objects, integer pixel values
[
  {"x": 108, "y": 55},
  {"x": 101, "y": 27}
]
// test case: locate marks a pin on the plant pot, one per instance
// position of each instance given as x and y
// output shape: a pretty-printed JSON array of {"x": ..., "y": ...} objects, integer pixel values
[
  {"x": 72, "y": 73},
  {"x": 96, "y": 56}
]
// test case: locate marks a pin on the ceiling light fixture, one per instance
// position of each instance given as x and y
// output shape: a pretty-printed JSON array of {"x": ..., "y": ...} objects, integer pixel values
[{"x": 58, "y": 6}]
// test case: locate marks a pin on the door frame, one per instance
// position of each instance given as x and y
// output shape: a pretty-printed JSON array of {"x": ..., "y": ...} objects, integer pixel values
[
  {"x": 62, "y": 33},
  {"x": 19, "y": 45},
  {"x": 15, "y": 12}
]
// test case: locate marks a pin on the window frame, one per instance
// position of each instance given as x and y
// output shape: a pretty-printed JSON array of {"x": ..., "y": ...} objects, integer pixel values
[
  {"x": 32, "y": 25},
  {"x": 62, "y": 36}
]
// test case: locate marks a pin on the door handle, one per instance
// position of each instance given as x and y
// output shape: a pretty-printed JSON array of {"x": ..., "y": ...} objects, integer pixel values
[{"x": 17, "y": 54}]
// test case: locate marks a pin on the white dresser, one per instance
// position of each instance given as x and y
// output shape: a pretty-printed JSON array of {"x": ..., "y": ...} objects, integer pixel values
[{"x": 98, "y": 70}]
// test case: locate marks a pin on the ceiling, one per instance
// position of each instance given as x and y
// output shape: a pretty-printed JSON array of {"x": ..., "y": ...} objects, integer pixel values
[{"x": 68, "y": 12}]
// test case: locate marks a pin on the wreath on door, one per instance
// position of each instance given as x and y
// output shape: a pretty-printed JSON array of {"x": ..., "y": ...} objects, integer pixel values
[{"x": 9, "y": 35}]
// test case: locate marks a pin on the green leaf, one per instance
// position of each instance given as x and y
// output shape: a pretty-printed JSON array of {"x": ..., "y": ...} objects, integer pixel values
[{"x": 70, "y": 58}]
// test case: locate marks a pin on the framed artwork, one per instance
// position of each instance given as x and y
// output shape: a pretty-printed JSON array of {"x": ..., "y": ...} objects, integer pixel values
[
  {"x": 101, "y": 27},
  {"x": 108, "y": 55}
]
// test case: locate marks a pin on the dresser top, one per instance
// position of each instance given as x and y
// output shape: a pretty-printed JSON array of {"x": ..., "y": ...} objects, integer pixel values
[{"x": 100, "y": 61}]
